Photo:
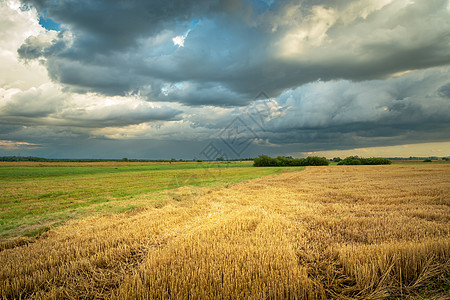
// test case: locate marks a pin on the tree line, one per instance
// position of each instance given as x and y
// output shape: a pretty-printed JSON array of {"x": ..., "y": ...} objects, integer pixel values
[
  {"x": 42, "y": 159},
  {"x": 283, "y": 161}
]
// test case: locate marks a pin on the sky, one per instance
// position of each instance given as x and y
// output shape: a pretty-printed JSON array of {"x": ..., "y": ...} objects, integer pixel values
[{"x": 224, "y": 78}]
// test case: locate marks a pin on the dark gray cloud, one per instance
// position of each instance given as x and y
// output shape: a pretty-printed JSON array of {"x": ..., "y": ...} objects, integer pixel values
[
  {"x": 44, "y": 45},
  {"x": 115, "y": 25},
  {"x": 108, "y": 26},
  {"x": 444, "y": 91},
  {"x": 242, "y": 46}
]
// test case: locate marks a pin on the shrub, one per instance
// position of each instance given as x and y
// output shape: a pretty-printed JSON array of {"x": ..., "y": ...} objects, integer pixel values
[
  {"x": 297, "y": 162},
  {"x": 377, "y": 161},
  {"x": 355, "y": 160},
  {"x": 351, "y": 160},
  {"x": 427, "y": 160}
]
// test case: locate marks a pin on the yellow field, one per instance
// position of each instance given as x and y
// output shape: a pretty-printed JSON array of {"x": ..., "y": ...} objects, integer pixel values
[{"x": 363, "y": 232}]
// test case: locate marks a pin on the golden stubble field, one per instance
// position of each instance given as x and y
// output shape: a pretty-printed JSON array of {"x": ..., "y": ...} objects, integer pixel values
[{"x": 364, "y": 232}]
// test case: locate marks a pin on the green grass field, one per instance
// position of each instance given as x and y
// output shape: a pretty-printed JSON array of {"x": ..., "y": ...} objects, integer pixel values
[{"x": 36, "y": 196}]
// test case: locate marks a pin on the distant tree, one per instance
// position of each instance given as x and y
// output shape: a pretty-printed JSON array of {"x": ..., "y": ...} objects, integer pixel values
[
  {"x": 337, "y": 159},
  {"x": 282, "y": 161},
  {"x": 316, "y": 161},
  {"x": 265, "y": 161},
  {"x": 220, "y": 158},
  {"x": 427, "y": 160},
  {"x": 125, "y": 159}
]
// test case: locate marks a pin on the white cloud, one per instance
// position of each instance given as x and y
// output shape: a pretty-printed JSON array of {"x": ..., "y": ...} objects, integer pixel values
[
  {"x": 362, "y": 40},
  {"x": 36, "y": 102},
  {"x": 179, "y": 40},
  {"x": 101, "y": 111},
  {"x": 413, "y": 96},
  {"x": 16, "y": 26}
]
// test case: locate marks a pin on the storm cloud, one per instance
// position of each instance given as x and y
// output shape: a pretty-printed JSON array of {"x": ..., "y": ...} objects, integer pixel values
[
  {"x": 121, "y": 47},
  {"x": 334, "y": 74}
]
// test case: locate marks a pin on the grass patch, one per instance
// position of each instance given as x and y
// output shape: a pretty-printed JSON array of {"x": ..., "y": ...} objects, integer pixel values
[{"x": 36, "y": 193}]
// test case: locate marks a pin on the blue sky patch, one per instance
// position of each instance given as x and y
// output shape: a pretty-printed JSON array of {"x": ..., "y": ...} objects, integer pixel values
[{"x": 49, "y": 24}]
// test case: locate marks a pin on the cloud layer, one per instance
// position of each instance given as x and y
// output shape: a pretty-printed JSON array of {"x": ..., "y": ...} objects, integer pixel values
[
  {"x": 116, "y": 48},
  {"x": 340, "y": 74}
]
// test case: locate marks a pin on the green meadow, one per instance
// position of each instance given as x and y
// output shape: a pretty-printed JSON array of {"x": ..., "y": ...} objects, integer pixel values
[{"x": 37, "y": 196}]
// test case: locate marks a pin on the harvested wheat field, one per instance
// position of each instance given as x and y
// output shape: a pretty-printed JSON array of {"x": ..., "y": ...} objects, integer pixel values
[{"x": 364, "y": 232}]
